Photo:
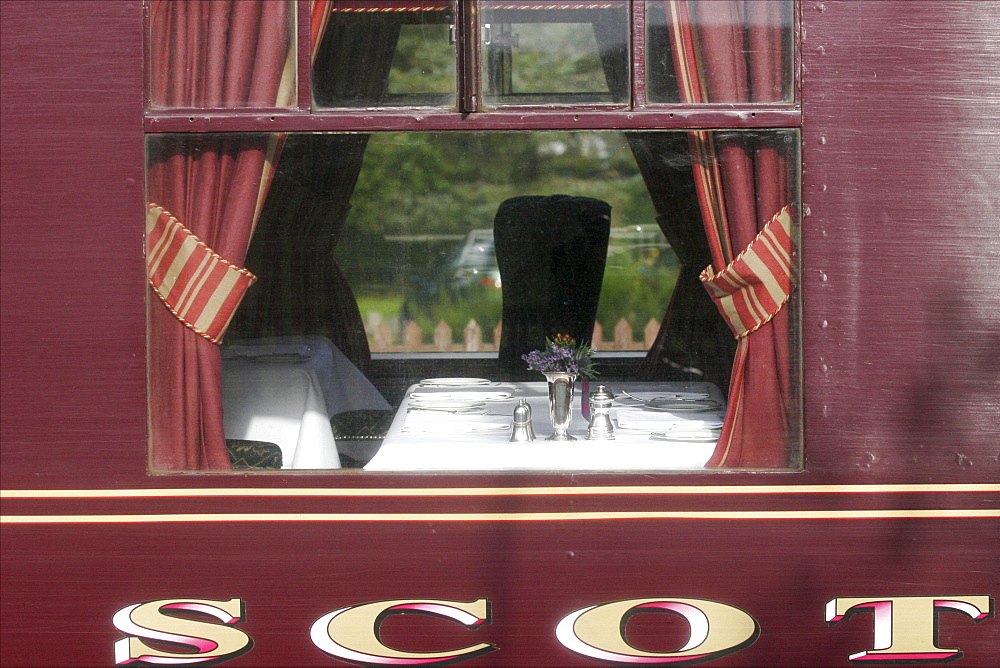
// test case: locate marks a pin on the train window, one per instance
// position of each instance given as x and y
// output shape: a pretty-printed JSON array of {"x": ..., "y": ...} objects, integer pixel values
[
  {"x": 534, "y": 52},
  {"x": 418, "y": 245},
  {"x": 446, "y": 242},
  {"x": 368, "y": 294}
]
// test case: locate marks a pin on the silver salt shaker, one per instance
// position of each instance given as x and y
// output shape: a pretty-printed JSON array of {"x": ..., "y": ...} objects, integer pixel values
[
  {"x": 522, "y": 429},
  {"x": 601, "y": 428}
]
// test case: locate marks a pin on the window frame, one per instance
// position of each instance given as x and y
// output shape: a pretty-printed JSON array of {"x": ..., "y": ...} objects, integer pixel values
[
  {"x": 470, "y": 115},
  {"x": 639, "y": 115}
]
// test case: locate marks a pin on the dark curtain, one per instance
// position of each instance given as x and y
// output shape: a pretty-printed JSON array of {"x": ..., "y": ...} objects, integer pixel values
[
  {"x": 301, "y": 288},
  {"x": 694, "y": 341},
  {"x": 351, "y": 65},
  {"x": 613, "y": 44}
]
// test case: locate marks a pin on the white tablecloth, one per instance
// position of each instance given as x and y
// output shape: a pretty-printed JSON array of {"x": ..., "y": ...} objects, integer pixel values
[
  {"x": 458, "y": 449},
  {"x": 344, "y": 387},
  {"x": 279, "y": 403},
  {"x": 283, "y": 390}
]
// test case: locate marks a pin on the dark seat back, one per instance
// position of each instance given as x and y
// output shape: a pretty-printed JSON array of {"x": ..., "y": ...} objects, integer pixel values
[{"x": 551, "y": 251}]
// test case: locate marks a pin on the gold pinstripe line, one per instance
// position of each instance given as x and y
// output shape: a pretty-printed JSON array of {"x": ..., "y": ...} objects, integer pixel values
[
  {"x": 738, "y": 490},
  {"x": 503, "y": 517}
]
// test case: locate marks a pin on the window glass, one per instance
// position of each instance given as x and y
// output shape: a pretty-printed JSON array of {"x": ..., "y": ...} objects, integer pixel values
[
  {"x": 220, "y": 55},
  {"x": 418, "y": 246},
  {"x": 719, "y": 51},
  {"x": 544, "y": 52},
  {"x": 387, "y": 259},
  {"x": 386, "y": 55}
]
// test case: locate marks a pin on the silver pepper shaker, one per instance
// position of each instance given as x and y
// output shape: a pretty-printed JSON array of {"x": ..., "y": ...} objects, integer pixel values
[
  {"x": 522, "y": 429},
  {"x": 601, "y": 428}
]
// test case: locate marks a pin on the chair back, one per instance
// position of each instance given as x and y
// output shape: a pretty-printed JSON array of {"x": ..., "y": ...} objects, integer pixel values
[{"x": 551, "y": 251}]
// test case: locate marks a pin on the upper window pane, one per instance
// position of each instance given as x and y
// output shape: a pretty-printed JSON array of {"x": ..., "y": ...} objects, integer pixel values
[
  {"x": 222, "y": 55},
  {"x": 719, "y": 51},
  {"x": 547, "y": 52},
  {"x": 386, "y": 54}
]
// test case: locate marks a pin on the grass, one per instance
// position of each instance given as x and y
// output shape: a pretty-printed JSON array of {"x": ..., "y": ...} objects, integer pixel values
[
  {"x": 634, "y": 295},
  {"x": 389, "y": 306}
]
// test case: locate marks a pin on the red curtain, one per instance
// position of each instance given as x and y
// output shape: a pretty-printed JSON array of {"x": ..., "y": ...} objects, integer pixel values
[
  {"x": 208, "y": 55},
  {"x": 733, "y": 51},
  {"x": 221, "y": 53}
]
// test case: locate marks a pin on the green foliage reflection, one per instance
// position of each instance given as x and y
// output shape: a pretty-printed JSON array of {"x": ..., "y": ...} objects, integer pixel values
[{"x": 420, "y": 197}]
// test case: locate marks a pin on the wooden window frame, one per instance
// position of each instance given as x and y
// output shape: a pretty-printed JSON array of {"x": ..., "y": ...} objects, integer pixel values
[{"x": 641, "y": 115}]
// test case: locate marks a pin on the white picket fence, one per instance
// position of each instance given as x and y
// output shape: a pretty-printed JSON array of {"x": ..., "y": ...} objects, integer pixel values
[{"x": 382, "y": 337}]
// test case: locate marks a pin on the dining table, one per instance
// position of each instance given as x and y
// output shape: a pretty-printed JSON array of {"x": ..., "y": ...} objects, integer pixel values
[
  {"x": 284, "y": 390},
  {"x": 445, "y": 425}
]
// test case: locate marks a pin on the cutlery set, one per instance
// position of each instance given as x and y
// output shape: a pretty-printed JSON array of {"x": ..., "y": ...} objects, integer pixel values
[{"x": 434, "y": 400}]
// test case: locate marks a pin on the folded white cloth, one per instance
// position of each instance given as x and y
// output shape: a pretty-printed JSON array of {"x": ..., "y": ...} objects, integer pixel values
[
  {"x": 695, "y": 435},
  {"x": 344, "y": 387},
  {"x": 462, "y": 396},
  {"x": 646, "y": 396},
  {"x": 450, "y": 426},
  {"x": 652, "y": 426},
  {"x": 643, "y": 420}
]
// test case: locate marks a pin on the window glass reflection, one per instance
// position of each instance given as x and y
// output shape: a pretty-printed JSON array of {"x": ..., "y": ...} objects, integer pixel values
[
  {"x": 725, "y": 51},
  {"x": 544, "y": 52},
  {"x": 386, "y": 55},
  {"x": 418, "y": 246}
]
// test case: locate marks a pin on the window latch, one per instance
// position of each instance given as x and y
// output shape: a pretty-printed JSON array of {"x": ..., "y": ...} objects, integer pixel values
[{"x": 503, "y": 38}]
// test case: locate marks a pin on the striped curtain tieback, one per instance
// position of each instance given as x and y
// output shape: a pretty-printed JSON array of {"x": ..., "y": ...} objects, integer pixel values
[
  {"x": 198, "y": 286},
  {"x": 754, "y": 286}
]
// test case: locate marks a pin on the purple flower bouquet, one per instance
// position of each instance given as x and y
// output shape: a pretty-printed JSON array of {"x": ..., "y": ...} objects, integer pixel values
[{"x": 562, "y": 354}]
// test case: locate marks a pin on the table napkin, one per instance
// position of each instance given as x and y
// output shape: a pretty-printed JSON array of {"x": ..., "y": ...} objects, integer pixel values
[
  {"x": 643, "y": 420},
  {"x": 449, "y": 426},
  {"x": 682, "y": 434},
  {"x": 646, "y": 396},
  {"x": 463, "y": 396}
]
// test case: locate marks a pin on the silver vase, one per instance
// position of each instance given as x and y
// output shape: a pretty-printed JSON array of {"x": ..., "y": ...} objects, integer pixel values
[{"x": 560, "y": 404}]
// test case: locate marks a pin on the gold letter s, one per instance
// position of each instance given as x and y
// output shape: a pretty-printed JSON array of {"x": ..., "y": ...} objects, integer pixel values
[{"x": 213, "y": 642}]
